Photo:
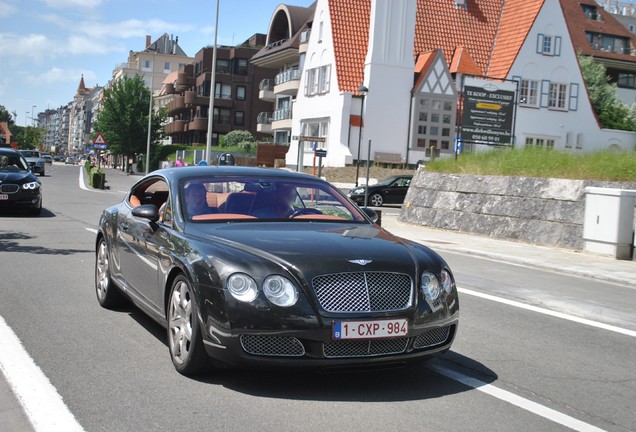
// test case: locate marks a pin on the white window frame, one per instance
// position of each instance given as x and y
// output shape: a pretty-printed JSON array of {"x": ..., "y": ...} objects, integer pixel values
[
  {"x": 529, "y": 93},
  {"x": 558, "y": 96},
  {"x": 316, "y": 128}
]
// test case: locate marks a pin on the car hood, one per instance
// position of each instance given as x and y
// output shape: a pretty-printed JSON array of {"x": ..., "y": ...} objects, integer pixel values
[
  {"x": 14, "y": 176},
  {"x": 324, "y": 246}
]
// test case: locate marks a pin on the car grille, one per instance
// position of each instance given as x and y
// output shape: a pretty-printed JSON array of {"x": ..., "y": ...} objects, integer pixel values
[
  {"x": 9, "y": 188},
  {"x": 272, "y": 345},
  {"x": 432, "y": 337},
  {"x": 363, "y": 291},
  {"x": 365, "y": 348},
  {"x": 279, "y": 346}
]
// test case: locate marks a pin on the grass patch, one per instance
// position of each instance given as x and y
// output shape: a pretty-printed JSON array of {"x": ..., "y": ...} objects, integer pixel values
[{"x": 537, "y": 162}]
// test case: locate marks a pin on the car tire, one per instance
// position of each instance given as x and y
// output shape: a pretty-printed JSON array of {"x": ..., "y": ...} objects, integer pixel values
[
  {"x": 376, "y": 200},
  {"x": 185, "y": 342},
  {"x": 108, "y": 294}
]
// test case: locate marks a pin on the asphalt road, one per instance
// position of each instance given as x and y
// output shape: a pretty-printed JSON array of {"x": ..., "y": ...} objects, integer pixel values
[{"x": 513, "y": 366}]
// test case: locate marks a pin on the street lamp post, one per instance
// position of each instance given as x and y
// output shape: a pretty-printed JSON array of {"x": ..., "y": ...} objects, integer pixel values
[
  {"x": 32, "y": 118},
  {"x": 362, "y": 91},
  {"x": 152, "y": 76},
  {"x": 208, "y": 145}
]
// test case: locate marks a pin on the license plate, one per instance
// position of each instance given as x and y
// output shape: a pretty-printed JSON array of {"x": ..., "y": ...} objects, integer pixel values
[
  {"x": 373, "y": 329},
  {"x": 4, "y": 197}
]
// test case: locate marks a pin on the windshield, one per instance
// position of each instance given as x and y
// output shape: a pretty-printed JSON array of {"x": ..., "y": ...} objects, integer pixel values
[
  {"x": 265, "y": 198},
  {"x": 30, "y": 153},
  {"x": 13, "y": 162}
]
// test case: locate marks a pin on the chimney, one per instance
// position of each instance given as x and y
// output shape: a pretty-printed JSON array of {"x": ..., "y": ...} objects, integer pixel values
[{"x": 147, "y": 41}]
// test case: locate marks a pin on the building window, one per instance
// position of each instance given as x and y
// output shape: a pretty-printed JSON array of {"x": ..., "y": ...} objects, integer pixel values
[
  {"x": 239, "y": 118},
  {"x": 222, "y": 116},
  {"x": 558, "y": 92},
  {"x": 529, "y": 92},
  {"x": 627, "y": 80},
  {"x": 166, "y": 67},
  {"x": 317, "y": 80},
  {"x": 314, "y": 128},
  {"x": 222, "y": 91},
  {"x": 147, "y": 65},
  {"x": 241, "y": 67},
  {"x": 539, "y": 141},
  {"x": 223, "y": 66},
  {"x": 435, "y": 119},
  {"x": 240, "y": 92}
]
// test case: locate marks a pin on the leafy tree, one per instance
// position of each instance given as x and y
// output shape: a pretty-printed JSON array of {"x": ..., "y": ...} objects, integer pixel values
[
  {"x": 30, "y": 137},
  {"x": 611, "y": 111},
  {"x": 123, "y": 119},
  {"x": 236, "y": 137}
]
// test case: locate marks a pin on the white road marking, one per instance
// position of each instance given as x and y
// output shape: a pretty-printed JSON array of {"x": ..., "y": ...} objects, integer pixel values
[
  {"x": 549, "y": 312},
  {"x": 506, "y": 396},
  {"x": 82, "y": 185},
  {"x": 42, "y": 403}
]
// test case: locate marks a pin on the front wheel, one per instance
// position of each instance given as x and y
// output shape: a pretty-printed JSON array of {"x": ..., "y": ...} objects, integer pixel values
[
  {"x": 376, "y": 200},
  {"x": 108, "y": 294},
  {"x": 184, "y": 332}
]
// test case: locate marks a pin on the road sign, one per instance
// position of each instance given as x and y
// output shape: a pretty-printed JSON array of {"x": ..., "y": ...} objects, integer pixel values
[
  {"x": 308, "y": 138},
  {"x": 99, "y": 140},
  {"x": 321, "y": 152}
]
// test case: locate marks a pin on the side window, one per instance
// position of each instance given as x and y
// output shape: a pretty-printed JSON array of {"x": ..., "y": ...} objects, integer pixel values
[{"x": 165, "y": 213}]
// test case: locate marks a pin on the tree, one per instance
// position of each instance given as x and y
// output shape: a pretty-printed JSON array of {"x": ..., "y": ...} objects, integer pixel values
[
  {"x": 30, "y": 137},
  {"x": 123, "y": 119},
  {"x": 611, "y": 111},
  {"x": 236, "y": 137}
]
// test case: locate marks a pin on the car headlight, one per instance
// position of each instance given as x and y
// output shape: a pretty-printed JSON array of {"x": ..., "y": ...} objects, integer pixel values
[
  {"x": 31, "y": 186},
  {"x": 430, "y": 286},
  {"x": 242, "y": 287},
  {"x": 447, "y": 281},
  {"x": 357, "y": 191},
  {"x": 280, "y": 291}
]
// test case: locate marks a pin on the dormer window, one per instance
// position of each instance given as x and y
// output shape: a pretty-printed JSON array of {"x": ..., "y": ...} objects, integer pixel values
[
  {"x": 460, "y": 4},
  {"x": 591, "y": 13}
]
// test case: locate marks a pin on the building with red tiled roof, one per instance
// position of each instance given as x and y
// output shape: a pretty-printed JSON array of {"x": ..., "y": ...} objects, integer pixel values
[{"x": 386, "y": 46}]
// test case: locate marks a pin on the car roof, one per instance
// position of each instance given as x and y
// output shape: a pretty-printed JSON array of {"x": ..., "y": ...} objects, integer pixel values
[
  {"x": 178, "y": 173},
  {"x": 8, "y": 150}
]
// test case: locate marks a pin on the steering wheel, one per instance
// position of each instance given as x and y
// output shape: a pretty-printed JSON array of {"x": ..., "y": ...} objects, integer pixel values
[{"x": 305, "y": 211}]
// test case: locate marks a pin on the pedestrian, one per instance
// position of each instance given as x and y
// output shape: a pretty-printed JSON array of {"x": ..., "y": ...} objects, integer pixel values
[{"x": 179, "y": 162}]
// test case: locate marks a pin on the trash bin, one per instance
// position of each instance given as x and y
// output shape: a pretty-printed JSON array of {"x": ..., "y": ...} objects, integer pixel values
[{"x": 226, "y": 159}]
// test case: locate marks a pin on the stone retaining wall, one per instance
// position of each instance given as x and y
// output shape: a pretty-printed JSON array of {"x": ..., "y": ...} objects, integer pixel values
[{"x": 542, "y": 211}]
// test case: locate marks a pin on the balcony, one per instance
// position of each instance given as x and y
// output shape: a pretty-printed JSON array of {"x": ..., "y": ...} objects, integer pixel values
[
  {"x": 287, "y": 82},
  {"x": 282, "y": 119},
  {"x": 177, "y": 105},
  {"x": 198, "y": 124},
  {"x": 184, "y": 81},
  {"x": 264, "y": 122},
  {"x": 266, "y": 90},
  {"x": 304, "y": 41},
  {"x": 191, "y": 98},
  {"x": 176, "y": 126}
]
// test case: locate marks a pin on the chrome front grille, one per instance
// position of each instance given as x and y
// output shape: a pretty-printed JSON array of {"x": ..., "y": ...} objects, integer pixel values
[
  {"x": 9, "y": 188},
  {"x": 432, "y": 337},
  {"x": 280, "y": 346},
  {"x": 366, "y": 348},
  {"x": 363, "y": 291}
]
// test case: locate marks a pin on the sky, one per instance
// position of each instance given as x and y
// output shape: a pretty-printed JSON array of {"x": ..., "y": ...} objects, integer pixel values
[{"x": 47, "y": 45}]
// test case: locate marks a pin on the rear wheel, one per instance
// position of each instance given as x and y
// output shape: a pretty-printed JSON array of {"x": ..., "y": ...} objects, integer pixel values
[
  {"x": 184, "y": 332},
  {"x": 376, "y": 200},
  {"x": 108, "y": 294}
]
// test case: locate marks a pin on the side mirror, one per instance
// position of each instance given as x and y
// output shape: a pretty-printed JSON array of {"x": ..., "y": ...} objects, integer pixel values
[
  {"x": 146, "y": 211},
  {"x": 372, "y": 214}
]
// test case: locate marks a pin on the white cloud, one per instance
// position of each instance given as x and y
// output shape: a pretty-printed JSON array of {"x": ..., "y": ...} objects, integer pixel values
[
  {"x": 7, "y": 9},
  {"x": 57, "y": 75},
  {"x": 63, "y": 4}
]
